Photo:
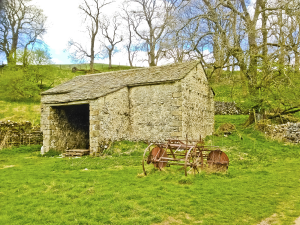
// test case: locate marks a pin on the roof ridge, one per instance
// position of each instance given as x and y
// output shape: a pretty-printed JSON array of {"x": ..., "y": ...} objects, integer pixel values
[
  {"x": 136, "y": 69},
  {"x": 97, "y": 85}
]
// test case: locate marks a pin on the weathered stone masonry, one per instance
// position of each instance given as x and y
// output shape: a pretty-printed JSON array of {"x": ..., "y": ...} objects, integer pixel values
[{"x": 150, "y": 104}]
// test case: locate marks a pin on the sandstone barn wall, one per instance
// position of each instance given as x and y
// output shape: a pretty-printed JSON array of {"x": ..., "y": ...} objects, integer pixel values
[
  {"x": 197, "y": 105},
  {"x": 109, "y": 119},
  {"x": 154, "y": 112}
]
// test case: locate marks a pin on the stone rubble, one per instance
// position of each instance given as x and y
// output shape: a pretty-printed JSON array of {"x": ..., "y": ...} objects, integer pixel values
[
  {"x": 227, "y": 108},
  {"x": 289, "y": 132}
]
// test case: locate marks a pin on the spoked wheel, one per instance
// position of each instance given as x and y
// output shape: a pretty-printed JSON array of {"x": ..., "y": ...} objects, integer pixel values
[
  {"x": 193, "y": 160},
  {"x": 187, "y": 161},
  {"x": 196, "y": 164},
  {"x": 145, "y": 157}
]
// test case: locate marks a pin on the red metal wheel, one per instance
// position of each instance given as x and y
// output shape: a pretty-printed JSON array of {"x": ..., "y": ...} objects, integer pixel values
[{"x": 218, "y": 160}]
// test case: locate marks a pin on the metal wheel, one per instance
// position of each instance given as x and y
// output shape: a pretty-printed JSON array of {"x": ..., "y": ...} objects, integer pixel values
[
  {"x": 187, "y": 160},
  {"x": 145, "y": 157},
  {"x": 196, "y": 164},
  {"x": 156, "y": 154},
  {"x": 218, "y": 160}
]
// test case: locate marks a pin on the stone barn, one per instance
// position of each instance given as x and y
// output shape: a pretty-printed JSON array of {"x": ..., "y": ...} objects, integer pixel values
[{"x": 149, "y": 104}]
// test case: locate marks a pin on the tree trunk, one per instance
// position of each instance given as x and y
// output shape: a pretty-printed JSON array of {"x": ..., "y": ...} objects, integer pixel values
[
  {"x": 152, "y": 56},
  {"x": 252, "y": 72},
  {"x": 250, "y": 120},
  {"x": 265, "y": 39},
  {"x": 129, "y": 57},
  {"x": 109, "y": 57},
  {"x": 92, "y": 63},
  {"x": 217, "y": 56}
]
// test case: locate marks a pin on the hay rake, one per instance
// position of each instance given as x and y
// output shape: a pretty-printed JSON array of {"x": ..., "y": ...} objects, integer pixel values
[{"x": 190, "y": 154}]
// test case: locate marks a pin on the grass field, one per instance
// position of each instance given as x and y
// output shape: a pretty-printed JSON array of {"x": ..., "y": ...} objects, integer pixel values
[
  {"x": 20, "y": 111},
  {"x": 262, "y": 182}
]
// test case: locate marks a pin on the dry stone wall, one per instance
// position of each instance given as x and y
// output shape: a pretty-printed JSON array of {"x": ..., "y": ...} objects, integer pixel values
[
  {"x": 16, "y": 134},
  {"x": 289, "y": 132},
  {"x": 197, "y": 106},
  {"x": 227, "y": 108}
]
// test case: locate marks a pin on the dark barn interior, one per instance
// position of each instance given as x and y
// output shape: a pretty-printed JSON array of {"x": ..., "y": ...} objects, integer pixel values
[{"x": 72, "y": 122}]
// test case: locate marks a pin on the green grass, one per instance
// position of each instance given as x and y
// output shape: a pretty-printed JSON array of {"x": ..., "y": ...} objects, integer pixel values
[
  {"x": 262, "y": 180},
  {"x": 98, "y": 66},
  {"x": 20, "y": 111}
]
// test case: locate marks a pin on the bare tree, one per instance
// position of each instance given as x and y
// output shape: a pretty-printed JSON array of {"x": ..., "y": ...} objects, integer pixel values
[
  {"x": 150, "y": 20},
  {"x": 21, "y": 25},
  {"x": 92, "y": 13},
  {"x": 260, "y": 38},
  {"x": 110, "y": 29},
  {"x": 131, "y": 46}
]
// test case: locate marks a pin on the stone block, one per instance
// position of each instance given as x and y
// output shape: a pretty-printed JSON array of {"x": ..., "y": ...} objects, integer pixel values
[
  {"x": 177, "y": 94},
  {"x": 177, "y": 113},
  {"x": 95, "y": 133},
  {"x": 95, "y": 117},
  {"x": 94, "y": 122},
  {"x": 177, "y": 103},
  {"x": 93, "y": 150},
  {"x": 176, "y": 124},
  {"x": 176, "y": 134},
  {"x": 94, "y": 112},
  {"x": 50, "y": 118},
  {"x": 47, "y": 132}
]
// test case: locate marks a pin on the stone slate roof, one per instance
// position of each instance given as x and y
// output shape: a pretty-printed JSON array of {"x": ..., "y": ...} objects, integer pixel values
[{"x": 87, "y": 87}]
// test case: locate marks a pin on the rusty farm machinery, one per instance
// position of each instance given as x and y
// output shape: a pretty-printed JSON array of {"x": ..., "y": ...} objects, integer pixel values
[{"x": 191, "y": 155}]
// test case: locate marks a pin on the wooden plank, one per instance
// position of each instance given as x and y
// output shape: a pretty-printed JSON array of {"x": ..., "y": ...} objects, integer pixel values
[{"x": 78, "y": 150}]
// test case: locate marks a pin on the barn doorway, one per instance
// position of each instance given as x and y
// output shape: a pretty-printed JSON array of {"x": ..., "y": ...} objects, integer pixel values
[{"x": 72, "y": 126}]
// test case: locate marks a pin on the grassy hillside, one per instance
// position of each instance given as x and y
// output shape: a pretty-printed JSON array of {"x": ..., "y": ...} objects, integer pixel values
[
  {"x": 262, "y": 183},
  {"x": 20, "y": 111},
  {"x": 29, "y": 109}
]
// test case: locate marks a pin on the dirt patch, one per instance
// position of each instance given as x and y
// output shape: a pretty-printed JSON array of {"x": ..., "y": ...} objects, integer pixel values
[
  {"x": 270, "y": 220},
  {"x": 172, "y": 220},
  {"x": 297, "y": 221},
  {"x": 7, "y": 166}
]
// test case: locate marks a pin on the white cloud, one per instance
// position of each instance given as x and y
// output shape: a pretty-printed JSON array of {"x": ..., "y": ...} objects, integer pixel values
[
  {"x": 56, "y": 61},
  {"x": 63, "y": 22}
]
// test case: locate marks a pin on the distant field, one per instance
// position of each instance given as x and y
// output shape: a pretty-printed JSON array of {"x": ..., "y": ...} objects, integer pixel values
[
  {"x": 262, "y": 183},
  {"x": 97, "y": 66}
]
